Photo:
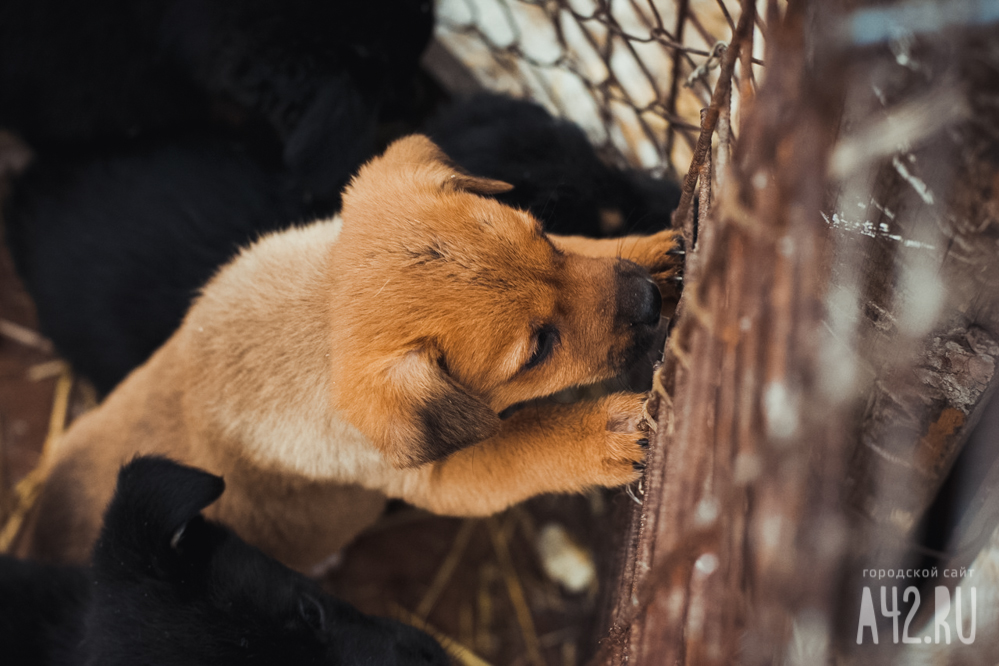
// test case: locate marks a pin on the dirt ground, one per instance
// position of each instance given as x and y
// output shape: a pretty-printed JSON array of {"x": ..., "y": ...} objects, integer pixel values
[{"x": 477, "y": 583}]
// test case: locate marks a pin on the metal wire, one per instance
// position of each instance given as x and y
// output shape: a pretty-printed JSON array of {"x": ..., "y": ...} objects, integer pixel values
[{"x": 616, "y": 67}]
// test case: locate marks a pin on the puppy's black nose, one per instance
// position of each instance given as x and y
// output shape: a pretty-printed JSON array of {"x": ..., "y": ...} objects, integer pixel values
[
  {"x": 650, "y": 304},
  {"x": 638, "y": 297}
]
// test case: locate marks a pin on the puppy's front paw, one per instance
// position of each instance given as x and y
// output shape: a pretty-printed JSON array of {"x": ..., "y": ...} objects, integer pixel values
[
  {"x": 626, "y": 439},
  {"x": 663, "y": 254}
]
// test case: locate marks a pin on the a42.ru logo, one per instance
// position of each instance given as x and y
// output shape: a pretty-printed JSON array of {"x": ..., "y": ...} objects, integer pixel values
[{"x": 942, "y": 612}]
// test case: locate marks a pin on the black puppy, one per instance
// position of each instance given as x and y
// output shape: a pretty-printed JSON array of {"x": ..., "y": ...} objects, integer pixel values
[
  {"x": 168, "y": 587},
  {"x": 113, "y": 245},
  {"x": 553, "y": 167},
  {"x": 312, "y": 78},
  {"x": 41, "y": 612},
  {"x": 168, "y": 133}
]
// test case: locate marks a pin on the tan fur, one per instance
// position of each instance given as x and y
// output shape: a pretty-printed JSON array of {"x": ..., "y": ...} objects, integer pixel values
[{"x": 330, "y": 366}]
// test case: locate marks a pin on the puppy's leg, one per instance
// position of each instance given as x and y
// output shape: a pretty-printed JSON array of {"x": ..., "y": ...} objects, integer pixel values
[
  {"x": 539, "y": 449},
  {"x": 660, "y": 254}
]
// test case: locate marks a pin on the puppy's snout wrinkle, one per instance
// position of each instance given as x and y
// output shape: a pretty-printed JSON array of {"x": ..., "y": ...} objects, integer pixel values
[{"x": 638, "y": 297}]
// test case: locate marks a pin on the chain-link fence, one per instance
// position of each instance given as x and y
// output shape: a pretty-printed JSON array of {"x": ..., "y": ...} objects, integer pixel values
[{"x": 633, "y": 73}]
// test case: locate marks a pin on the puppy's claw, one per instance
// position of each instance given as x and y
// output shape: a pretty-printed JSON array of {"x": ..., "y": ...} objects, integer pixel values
[
  {"x": 675, "y": 278},
  {"x": 631, "y": 493},
  {"x": 677, "y": 252},
  {"x": 622, "y": 453}
]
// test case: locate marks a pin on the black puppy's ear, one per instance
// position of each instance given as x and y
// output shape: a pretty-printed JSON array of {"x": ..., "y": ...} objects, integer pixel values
[
  {"x": 311, "y": 610},
  {"x": 154, "y": 501}
]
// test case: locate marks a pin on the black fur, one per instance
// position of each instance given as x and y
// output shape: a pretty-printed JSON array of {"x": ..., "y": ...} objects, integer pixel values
[
  {"x": 315, "y": 76},
  {"x": 113, "y": 246},
  {"x": 554, "y": 170},
  {"x": 168, "y": 587},
  {"x": 168, "y": 133},
  {"x": 41, "y": 611}
]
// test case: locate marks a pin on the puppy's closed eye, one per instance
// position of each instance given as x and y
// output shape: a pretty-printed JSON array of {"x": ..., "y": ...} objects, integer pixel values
[{"x": 546, "y": 339}]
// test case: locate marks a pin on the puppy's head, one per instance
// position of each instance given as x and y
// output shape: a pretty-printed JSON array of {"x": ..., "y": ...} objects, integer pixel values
[
  {"x": 175, "y": 588},
  {"x": 450, "y": 306}
]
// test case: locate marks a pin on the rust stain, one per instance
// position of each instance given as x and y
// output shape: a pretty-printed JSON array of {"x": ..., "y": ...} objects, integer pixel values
[{"x": 936, "y": 443}]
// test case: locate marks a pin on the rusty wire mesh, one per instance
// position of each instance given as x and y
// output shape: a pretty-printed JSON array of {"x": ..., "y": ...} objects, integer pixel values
[{"x": 633, "y": 73}]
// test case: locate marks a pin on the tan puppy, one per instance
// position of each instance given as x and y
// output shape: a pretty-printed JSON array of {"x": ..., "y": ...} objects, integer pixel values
[{"x": 329, "y": 367}]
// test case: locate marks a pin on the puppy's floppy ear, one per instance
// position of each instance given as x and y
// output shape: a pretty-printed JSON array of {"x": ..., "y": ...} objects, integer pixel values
[
  {"x": 447, "y": 417},
  {"x": 415, "y": 412},
  {"x": 476, "y": 185},
  {"x": 155, "y": 501}
]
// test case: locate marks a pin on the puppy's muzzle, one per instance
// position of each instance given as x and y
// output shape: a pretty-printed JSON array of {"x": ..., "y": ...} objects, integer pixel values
[{"x": 638, "y": 299}]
